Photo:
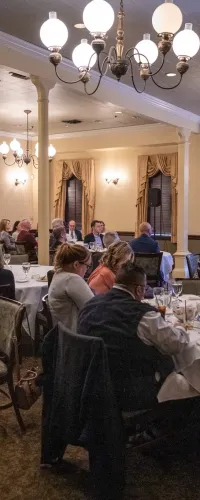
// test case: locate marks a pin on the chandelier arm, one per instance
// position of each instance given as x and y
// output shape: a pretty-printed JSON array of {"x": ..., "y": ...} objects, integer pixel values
[
  {"x": 101, "y": 66},
  {"x": 112, "y": 49},
  {"x": 9, "y": 164},
  {"x": 71, "y": 83},
  {"x": 166, "y": 88},
  {"x": 91, "y": 93},
  {"x": 162, "y": 64},
  {"x": 133, "y": 81},
  {"x": 35, "y": 162}
]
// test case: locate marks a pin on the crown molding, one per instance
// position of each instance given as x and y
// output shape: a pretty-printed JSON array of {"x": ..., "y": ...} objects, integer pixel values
[
  {"x": 31, "y": 59},
  {"x": 15, "y": 134},
  {"x": 101, "y": 131}
]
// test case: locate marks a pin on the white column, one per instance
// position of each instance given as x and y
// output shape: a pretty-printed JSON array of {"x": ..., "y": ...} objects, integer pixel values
[
  {"x": 181, "y": 268},
  {"x": 43, "y": 87}
]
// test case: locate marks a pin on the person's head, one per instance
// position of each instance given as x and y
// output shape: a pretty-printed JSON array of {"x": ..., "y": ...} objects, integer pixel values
[
  {"x": 132, "y": 277},
  {"x": 145, "y": 228},
  {"x": 117, "y": 253},
  {"x": 109, "y": 238},
  {"x": 103, "y": 226},
  {"x": 96, "y": 227},
  {"x": 59, "y": 233},
  {"x": 4, "y": 225},
  {"x": 24, "y": 225},
  {"x": 15, "y": 226},
  {"x": 57, "y": 223},
  {"x": 72, "y": 259},
  {"x": 72, "y": 225}
]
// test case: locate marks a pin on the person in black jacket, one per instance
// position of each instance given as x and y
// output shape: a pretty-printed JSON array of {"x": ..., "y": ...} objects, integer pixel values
[
  {"x": 6, "y": 278},
  {"x": 95, "y": 236},
  {"x": 73, "y": 234}
]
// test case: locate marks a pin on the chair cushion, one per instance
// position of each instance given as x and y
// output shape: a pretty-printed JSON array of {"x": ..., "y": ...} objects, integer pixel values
[{"x": 3, "y": 369}]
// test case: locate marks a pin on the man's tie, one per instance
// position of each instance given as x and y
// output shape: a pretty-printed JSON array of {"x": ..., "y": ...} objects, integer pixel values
[{"x": 72, "y": 235}]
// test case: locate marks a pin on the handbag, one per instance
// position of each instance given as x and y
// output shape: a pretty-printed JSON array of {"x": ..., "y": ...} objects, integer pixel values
[{"x": 26, "y": 390}]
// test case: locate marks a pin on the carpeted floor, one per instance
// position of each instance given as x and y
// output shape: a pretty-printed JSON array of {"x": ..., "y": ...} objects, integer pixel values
[{"x": 162, "y": 473}]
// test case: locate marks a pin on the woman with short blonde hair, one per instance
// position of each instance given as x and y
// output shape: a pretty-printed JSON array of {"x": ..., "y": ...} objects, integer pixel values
[
  {"x": 102, "y": 278},
  {"x": 68, "y": 291}
]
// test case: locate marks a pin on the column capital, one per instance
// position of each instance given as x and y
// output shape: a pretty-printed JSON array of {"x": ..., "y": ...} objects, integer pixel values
[
  {"x": 183, "y": 135},
  {"x": 42, "y": 85}
]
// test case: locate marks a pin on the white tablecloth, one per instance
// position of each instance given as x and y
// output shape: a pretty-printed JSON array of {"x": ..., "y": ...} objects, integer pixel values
[
  {"x": 31, "y": 292},
  {"x": 166, "y": 265}
]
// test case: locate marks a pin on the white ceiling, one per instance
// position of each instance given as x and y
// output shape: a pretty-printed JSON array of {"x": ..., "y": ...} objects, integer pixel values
[
  {"x": 65, "y": 103},
  {"x": 138, "y": 21}
]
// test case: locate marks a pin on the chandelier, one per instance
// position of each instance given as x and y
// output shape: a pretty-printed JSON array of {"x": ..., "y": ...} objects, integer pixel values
[
  {"x": 21, "y": 158},
  {"x": 98, "y": 18}
]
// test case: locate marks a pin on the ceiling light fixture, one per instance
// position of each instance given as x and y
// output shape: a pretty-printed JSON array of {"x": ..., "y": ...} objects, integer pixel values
[
  {"x": 98, "y": 18},
  {"x": 19, "y": 156},
  {"x": 170, "y": 75}
]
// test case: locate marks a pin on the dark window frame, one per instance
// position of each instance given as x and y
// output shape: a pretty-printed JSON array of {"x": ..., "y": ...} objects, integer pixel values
[
  {"x": 73, "y": 205},
  {"x": 164, "y": 212}
]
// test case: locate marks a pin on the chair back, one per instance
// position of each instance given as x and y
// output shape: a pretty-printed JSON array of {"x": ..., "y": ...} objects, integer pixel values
[
  {"x": 6, "y": 291},
  {"x": 20, "y": 247},
  {"x": 51, "y": 257},
  {"x": 11, "y": 317},
  {"x": 19, "y": 259},
  {"x": 151, "y": 263},
  {"x": 50, "y": 274},
  {"x": 192, "y": 262},
  {"x": 47, "y": 313}
]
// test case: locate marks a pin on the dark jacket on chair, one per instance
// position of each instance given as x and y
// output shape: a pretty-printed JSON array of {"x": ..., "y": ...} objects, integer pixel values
[
  {"x": 144, "y": 244},
  {"x": 7, "y": 278},
  {"x": 89, "y": 238}
]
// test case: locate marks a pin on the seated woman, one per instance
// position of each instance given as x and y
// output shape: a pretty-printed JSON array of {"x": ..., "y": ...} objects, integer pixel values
[
  {"x": 7, "y": 239},
  {"x": 28, "y": 239},
  {"x": 68, "y": 291},
  {"x": 6, "y": 278},
  {"x": 109, "y": 238},
  {"x": 15, "y": 231},
  {"x": 59, "y": 237},
  {"x": 102, "y": 278}
]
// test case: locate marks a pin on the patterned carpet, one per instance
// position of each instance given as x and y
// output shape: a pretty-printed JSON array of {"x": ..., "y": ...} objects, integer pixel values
[{"x": 163, "y": 473}]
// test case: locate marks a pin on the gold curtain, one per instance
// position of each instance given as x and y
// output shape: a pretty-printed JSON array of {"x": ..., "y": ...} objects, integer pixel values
[
  {"x": 148, "y": 166},
  {"x": 84, "y": 171}
]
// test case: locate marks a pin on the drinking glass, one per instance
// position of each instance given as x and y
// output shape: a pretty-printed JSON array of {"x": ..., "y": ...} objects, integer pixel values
[
  {"x": 158, "y": 293},
  {"x": 177, "y": 287},
  {"x": 93, "y": 247},
  {"x": 26, "y": 268},
  {"x": 7, "y": 258},
  {"x": 167, "y": 298}
]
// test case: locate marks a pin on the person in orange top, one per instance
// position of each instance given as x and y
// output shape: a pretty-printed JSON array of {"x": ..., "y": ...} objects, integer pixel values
[{"x": 102, "y": 278}]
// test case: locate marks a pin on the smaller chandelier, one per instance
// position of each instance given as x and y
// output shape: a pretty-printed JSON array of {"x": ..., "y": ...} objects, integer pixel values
[{"x": 21, "y": 158}]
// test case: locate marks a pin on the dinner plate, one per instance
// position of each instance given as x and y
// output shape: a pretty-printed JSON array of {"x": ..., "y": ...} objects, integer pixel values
[{"x": 21, "y": 280}]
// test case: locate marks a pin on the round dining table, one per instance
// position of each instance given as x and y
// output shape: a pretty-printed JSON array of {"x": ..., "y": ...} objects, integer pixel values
[{"x": 30, "y": 292}]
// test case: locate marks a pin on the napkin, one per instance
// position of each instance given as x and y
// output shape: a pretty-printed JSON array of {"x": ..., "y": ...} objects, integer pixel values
[{"x": 176, "y": 387}]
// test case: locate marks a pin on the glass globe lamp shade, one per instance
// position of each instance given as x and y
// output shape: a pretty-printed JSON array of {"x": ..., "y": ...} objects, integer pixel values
[
  {"x": 186, "y": 43},
  {"x": 53, "y": 32},
  {"x": 148, "y": 49},
  {"x": 51, "y": 151},
  {"x": 98, "y": 17},
  {"x": 167, "y": 18},
  {"x": 15, "y": 145},
  {"x": 4, "y": 148},
  {"x": 20, "y": 152},
  {"x": 83, "y": 56}
]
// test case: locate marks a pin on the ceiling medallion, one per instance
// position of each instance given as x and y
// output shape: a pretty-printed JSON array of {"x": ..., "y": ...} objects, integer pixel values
[{"x": 98, "y": 18}]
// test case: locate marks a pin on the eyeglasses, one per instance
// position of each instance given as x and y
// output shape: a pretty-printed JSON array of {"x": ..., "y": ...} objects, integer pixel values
[{"x": 87, "y": 265}]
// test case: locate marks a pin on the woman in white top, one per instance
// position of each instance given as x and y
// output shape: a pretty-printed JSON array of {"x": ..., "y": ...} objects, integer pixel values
[{"x": 68, "y": 291}]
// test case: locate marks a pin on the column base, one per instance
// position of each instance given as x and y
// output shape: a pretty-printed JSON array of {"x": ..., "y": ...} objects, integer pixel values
[{"x": 181, "y": 267}]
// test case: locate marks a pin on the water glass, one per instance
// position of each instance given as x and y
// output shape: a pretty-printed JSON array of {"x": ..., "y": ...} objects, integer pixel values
[
  {"x": 93, "y": 247},
  {"x": 26, "y": 268},
  {"x": 158, "y": 293},
  {"x": 167, "y": 298},
  {"x": 177, "y": 287},
  {"x": 7, "y": 258}
]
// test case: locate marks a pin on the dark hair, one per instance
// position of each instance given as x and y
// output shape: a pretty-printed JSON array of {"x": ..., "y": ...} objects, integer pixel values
[
  {"x": 57, "y": 232},
  {"x": 3, "y": 224},
  {"x": 67, "y": 254},
  {"x": 94, "y": 222},
  {"x": 130, "y": 274},
  {"x": 15, "y": 225}
]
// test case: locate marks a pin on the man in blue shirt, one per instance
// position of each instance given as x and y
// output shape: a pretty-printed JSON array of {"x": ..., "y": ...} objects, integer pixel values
[
  {"x": 145, "y": 244},
  {"x": 95, "y": 236}
]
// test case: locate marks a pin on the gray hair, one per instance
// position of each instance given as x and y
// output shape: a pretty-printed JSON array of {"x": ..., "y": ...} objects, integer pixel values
[
  {"x": 109, "y": 238},
  {"x": 57, "y": 223}
]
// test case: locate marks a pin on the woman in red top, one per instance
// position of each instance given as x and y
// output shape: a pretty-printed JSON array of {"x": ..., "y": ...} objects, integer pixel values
[
  {"x": 28, "y": 238},
  {"x": 102, "y": 278}
]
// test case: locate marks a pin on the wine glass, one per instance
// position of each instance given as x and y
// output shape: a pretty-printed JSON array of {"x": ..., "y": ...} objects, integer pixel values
[
  {"x": 93, "y": 247},
  {"x": 7, "y": 258},
  {"x": 26, "y": 268},
  {"x": 177, "y": 288},
  {"x": 158, "y": 293}
]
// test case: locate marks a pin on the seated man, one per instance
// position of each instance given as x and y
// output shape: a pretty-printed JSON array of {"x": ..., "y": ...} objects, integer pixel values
[
  {"x": 95, "y": 236},
  {"x": 140, "y": 343},
  {"x": 73, "y": 234},
  {"x": 55, "y": 223},
  {"x": 145, "y": 244}
]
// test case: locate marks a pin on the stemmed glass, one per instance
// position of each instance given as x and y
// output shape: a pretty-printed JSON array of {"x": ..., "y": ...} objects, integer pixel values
[
  {"x": 93, "y": 247},
  {"x": 7, "y": 258},
  {"x": 158, "y": 292},
  {"x": 177, "y": 287},
  {"x": 26, "y": 268}
]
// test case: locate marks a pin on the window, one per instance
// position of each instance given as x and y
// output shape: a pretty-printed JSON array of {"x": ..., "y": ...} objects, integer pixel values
[
  {"x": 162, "y": 217},
  {"x": 73, "y": 206}
]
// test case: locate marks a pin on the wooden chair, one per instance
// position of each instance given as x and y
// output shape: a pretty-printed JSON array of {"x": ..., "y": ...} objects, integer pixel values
[
  {"x": 43, "y": 321},
  {"x": 151, "y": 263},
  {"x": 192, "y": 262},
  {"x": 20, "y": 247},
  {"x": 11, "y": 317},
  {"x": 50, "y": 274}
]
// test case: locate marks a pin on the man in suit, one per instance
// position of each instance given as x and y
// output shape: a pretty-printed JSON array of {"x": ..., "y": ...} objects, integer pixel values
[
  {"x": 95, "y": 236},
  {"x": 145, "y": 244},
  {"x": 73, "y": 234}
]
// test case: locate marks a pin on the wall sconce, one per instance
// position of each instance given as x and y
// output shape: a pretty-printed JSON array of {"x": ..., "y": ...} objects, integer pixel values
[
  {"x": 18, "y": 181},
  {"x": 20, "y": 177},
  {"x": 114, "y": 180}
]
